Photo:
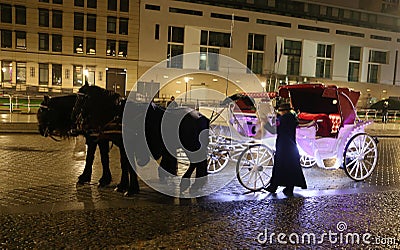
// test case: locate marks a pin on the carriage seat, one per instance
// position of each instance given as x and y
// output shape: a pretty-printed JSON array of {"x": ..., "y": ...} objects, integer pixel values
[
  {"x": 336, "y": 122},
  {"x": 323, "y": 121}
]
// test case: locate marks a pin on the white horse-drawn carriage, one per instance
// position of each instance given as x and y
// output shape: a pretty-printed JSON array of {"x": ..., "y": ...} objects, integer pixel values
[{"x": 334, "y": 137}]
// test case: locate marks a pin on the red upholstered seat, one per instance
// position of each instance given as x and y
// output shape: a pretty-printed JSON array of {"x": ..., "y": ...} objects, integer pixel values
[
  {"x": 323, "y": 121},
  {"x": 336, "y": 121}
]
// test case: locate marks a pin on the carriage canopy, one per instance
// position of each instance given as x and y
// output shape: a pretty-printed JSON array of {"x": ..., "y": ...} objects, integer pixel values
[{"x": 322, "y": 99}]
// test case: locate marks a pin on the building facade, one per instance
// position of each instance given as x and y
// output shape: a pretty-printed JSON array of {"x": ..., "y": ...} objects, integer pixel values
[
  {"x": 56, "y": 45},
  {"x": 283, "y": 42}
]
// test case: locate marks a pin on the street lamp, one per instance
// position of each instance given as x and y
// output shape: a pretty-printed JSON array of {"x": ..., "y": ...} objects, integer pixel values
[{"x": 263, "y": 85}]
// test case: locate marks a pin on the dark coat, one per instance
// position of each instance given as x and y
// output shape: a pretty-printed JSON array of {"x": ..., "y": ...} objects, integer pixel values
[{"x": 287, "y": 169}]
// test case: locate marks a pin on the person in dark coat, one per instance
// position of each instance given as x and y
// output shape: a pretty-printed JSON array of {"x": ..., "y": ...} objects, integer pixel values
[
  {"x": 385, "y": 111},
  {"x": 287, "y": 170},
  {"x": 172, "y": 103}
]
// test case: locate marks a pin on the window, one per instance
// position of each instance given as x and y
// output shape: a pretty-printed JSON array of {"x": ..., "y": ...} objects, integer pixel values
[
  {"x": 293, "y": 50},
  {"x": 175, "y": 34},
  {"x": 373, "y": 71},
  {"x": 43, "y": 18},
  {"x": 20, "y": 15},
  {"x": 111, "y": 48},
  {"x": 6, "y": 13},
  {"x": 157, "y": 32},
  {"x": 124, "y": 5},
  {"x": 122, "y": 48},
  {"x": 78, "y": 75},
  {"x": 56, "y": 43},
  {"x": 32, "y": 71},
  {"x": 78, "y": 44},
  {"x": 91, "y": 22},
  {"x": 152, "y": 7},
  {"x": 21, "y": 72},
  {"x": 78, "y": 21},
  {"x": 44, "y": 1},
  {"x": 20, "y": 39},
  {"x": 6, "y": 38},
  {"x": 185, "y": 11},
  {"x": 111, "y": 24},
  {"x": 377, "y": 56},
  {"x": 43, "y": 42},
  {"x": 58, "y": 1},
  {"x": 79, "y": 3},
  {"x": 209, "y": 58},
  {"x": 354, "y": 64},
  {"x": 218, "y": 39},
  {"x": 255, "y": 54},
  {"x": 91, "y": 46},
  {"x": 57, "y": 19},
  {"x": 91, "y": 4},
  {"x": 6, "y": 71},
  {"x": 123, "y": 26},
  {"x": 175, "y": 47},
  {"x": 112, "y": 5},
  {"x": 56, "y": 70},
  {"x": 43, "y": 74},
  {"x": 324, "y": 61}
]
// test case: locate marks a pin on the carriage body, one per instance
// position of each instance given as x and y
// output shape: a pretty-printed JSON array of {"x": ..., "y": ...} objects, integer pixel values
[
  {"x": 337, "y": 126},
  {"x": 335, "y": 139}
]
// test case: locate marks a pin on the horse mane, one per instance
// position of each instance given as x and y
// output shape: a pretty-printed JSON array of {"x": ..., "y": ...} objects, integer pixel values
[{"x": 99, "y": 92}]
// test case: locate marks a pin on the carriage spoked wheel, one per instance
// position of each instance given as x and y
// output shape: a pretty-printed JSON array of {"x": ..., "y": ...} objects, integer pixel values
[
  {"x": 218, "y": 158},
  {"x": 307, "y": 161},
  {"x": 360, "y": 156},
  {"x": 218, "y": 151},
  {"x": 254, "y": 167}
]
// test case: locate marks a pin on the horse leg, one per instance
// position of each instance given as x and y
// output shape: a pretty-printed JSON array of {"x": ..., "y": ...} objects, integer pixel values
[
  {"x": 105, "y": 161},
  {"x": 91, "y": 150},
  {"x": 169, "y": 163},
  {"x": 124, "y": 183},
  {"x": 133, "y": 179}
]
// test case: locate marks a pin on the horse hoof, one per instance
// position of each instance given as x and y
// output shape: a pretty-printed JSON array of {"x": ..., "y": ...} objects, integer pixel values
[
  {"x": 82, "y": 182},
  {"x": 83, "y": 179},
  {"x": 120, "y": 190},
  {"x": 103, "y": 183},
  {"x": 131, "y": 193}
]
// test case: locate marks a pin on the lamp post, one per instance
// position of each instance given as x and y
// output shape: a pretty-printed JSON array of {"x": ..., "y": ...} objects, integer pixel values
[{"x": 186, "y": 83}]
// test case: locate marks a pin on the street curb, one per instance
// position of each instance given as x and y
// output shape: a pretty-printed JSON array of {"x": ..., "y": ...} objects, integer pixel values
[{"x": 19, "y": 127}]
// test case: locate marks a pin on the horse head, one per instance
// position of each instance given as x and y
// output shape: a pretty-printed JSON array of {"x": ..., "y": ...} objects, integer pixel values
[
  {"x": 54, "y": 115},
  {"x": 95, "y": 108}
]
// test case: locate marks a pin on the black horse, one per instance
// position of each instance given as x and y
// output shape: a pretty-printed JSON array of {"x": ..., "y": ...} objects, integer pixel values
[
  {"x": 54, "y": 119},
  {"x": 101, "y": 111}
]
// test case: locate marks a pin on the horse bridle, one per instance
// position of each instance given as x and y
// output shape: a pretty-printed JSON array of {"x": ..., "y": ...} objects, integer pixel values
[{"x": 47, "y": 131}]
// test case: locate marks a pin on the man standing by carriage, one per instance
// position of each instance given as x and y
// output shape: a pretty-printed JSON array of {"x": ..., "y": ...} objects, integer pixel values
[{"x": 287, "y": 170}]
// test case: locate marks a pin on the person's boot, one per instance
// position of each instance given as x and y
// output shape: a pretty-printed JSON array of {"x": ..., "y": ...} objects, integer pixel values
[
  {"x": 288, "y": 191},
  {"x": 271, "y": 189}
]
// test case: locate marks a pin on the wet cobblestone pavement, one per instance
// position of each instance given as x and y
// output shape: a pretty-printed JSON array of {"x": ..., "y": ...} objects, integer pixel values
[{"x": 41, "y": 206}]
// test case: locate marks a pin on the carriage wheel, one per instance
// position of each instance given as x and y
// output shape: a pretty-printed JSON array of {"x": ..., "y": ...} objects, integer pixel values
[
  {"x": 307, "y": 161},
  {"x": 360, "y": 156},
  {"x": 254, "y": 167},
  {"x": 217, "y": 159}
]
